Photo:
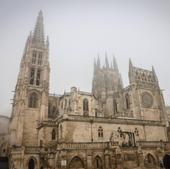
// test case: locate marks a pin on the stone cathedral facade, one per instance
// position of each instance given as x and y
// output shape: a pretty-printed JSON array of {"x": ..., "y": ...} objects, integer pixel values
[{"x": 111, "y": 127}]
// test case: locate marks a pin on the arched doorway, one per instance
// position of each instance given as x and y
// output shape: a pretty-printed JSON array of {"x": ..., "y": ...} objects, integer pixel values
[
  {"x": 76, "y": 163},
  {"x": 98, "y": 163},
  {"x": 149, "y": 161},
  {"x": 166, "y": 161},
  {"x": 31, "y": 164}
]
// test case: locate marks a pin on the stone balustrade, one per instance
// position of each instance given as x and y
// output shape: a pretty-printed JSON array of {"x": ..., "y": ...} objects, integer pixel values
[
  {"x": 150, "y": 144},
  {"x": 32, "y": 149},
  {"x": 92, "y": 145},
  {"x": 89, "y": 146}
]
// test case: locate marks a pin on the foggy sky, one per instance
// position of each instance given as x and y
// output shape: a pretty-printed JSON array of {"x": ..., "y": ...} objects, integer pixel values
[{"x": 78, "y": 31}]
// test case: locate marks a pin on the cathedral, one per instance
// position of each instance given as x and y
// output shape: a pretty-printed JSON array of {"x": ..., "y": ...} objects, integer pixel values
[{"x": 111, "y": 127}]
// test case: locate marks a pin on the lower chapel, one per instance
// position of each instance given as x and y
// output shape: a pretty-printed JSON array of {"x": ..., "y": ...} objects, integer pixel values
[{"x": 111, "y": 127}]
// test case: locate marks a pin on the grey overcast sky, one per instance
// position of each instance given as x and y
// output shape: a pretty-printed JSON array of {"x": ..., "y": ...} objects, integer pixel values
[{"x": 78, "y": 30}]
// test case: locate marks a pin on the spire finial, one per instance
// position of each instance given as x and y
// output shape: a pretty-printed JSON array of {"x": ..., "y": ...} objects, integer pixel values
[{"x": 38, "y": 35}]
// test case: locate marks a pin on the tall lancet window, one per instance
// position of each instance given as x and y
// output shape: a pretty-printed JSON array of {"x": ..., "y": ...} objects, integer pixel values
[
  {"x": 53, "y": 134},
  {"x": 32, "y": 76},
  {"x": 33, "y": 100},
  {"x": 38, "y": 77},
  {"x": 127, "y": 98},
  {"x": 85, "y": 105},
  {"x": 34, "y": 57},
  {"x": 100, "y": 132},
  {"x": 115, "y": 106},
  {"x": 40, "y": 58},
  {"x": 61, "y": 132}
]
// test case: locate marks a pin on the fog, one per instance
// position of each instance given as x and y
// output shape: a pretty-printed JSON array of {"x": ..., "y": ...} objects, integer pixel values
[{"x": 80, "y": 30}]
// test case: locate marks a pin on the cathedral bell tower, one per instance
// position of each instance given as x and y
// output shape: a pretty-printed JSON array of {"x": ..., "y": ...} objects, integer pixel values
[{"x": 30, "y": 105}]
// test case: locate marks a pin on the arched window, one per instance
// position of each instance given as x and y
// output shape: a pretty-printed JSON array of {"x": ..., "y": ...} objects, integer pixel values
[
  {"x": 149, "y": 161},
  {"x": 49, "y": 110},
  {"x": 65, "y": 105},
  {"x": 100, "y": 132},
  {"x": 150, "y": 79},
  {"x": 41, "y": 143},
  {"x": 61, "y": 131},
  {"x": 38, "y": 77},
  {"x": 98, "y": 163},
  {"x": 34, "y": 57},
  {"x": 33, "y": 100},
  {"x": 57, "y": 113},
  {"x": 40, "y": 58},
  {"x": 53, "y": 111},
  {"x": 32, "y": 76},
  {"x": 31, "y": 164},
  {"x": 127, "y": 98},
  {"x": 143, "y": 76},
  {"x": 85, "y": 105},
  {"x": 4, "y": 151},
  {"x": 53, "y": 134},
  {"x": 115, "y": 106}
]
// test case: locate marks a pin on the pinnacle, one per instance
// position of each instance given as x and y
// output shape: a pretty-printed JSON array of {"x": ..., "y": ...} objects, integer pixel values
[
  {"x": 38, "y": 35},
  {"x": 115, "y": 64}
]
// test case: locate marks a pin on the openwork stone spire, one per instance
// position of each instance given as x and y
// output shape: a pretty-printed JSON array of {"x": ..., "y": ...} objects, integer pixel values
[{"x": 38, "y": 35}]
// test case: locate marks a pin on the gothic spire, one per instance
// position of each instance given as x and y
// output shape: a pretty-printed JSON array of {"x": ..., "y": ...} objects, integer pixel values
[
  {"x": 106, "y": 61},
  {"x": 98, "y": 62},
  {"x": 95, "y": 66},
  {"x": 131, "y": 77},
  {"x": 26, "y": 45},
  {"x": 115, "y": 64},
  {"x": 130, "y": 64},
  {"x": 111, "y": 65},
  {"x": 47, "y": 42},
  {"x": 38, "y": 35}
]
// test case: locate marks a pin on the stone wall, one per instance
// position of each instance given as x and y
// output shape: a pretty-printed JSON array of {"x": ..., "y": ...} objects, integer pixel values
[{"x": 87, "y": 131}]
